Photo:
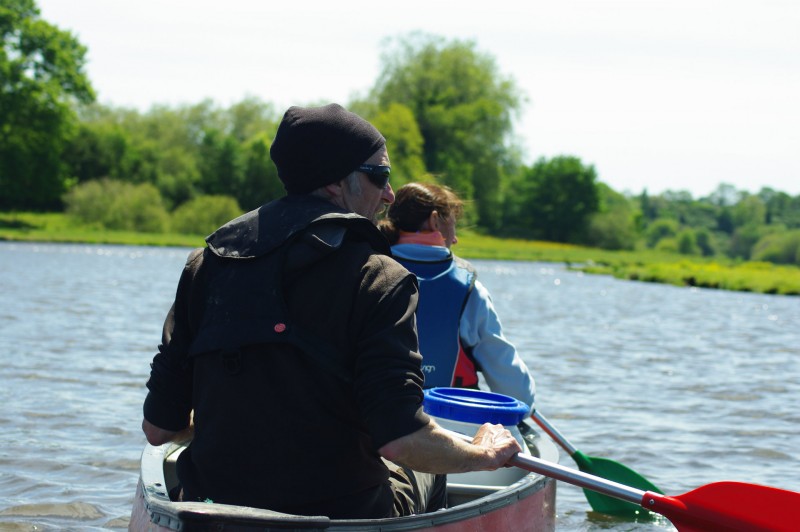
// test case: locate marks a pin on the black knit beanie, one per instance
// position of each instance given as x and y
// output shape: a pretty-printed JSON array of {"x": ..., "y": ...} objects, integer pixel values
[{"x": 316, "y": 146}]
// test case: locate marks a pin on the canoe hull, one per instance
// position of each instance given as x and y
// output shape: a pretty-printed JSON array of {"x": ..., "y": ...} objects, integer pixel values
[{"x": 527, "y": 504}]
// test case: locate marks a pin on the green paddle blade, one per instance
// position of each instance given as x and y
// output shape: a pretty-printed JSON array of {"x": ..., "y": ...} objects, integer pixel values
[{"x": 611, "y": 470}]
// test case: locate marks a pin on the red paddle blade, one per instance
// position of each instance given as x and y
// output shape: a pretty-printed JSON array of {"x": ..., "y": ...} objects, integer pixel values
[{"x": 729, "y": 507}]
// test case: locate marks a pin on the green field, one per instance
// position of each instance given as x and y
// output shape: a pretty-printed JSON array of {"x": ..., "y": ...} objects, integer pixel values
[{"x": 648, "y": 266}]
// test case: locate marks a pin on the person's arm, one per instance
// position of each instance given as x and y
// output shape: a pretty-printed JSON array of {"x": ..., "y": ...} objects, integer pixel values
[
  {"x": 432, "y": 449},
  {"x": 167, "y": 408},
  {"x": 389, "y": 383},
  {"x": 502, "y": 367},
  {"x": 158, "y": 436}
]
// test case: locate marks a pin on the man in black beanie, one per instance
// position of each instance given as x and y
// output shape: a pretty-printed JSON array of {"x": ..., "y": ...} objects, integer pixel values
[{"x": 292, "y": 341}]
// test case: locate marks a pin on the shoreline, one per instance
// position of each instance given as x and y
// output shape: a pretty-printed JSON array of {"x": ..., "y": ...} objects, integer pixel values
[{"x": 643, "y": 265}]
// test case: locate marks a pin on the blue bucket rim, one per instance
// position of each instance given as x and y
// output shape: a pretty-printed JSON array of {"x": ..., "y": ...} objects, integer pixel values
[{"x": 474, "y": 406}]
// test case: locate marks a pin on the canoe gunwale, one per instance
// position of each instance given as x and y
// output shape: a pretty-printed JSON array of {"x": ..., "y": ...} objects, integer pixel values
[{"x": 165, "y": 514}]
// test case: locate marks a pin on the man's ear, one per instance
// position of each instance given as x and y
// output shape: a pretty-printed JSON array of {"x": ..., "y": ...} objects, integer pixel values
[{"x": 335, "y": 190}]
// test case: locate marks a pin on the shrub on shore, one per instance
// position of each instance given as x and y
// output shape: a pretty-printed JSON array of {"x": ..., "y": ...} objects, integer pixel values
[
  {"x": 107, "y": 204},
  {"x": 116, "y": 205},
  {"x": 204, "y": 214}
]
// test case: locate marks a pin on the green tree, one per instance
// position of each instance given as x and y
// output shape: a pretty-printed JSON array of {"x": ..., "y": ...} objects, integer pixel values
[
  {"x": 687, "y": 242},
  {"x": 184, "y": 151},
  {"x": 221, "y": 164},
  {"x": 97, "y": 150},
  {"x": 725, "y": 221},
  {"x": 648, "y": 208},
  {"x": 250, "y": 118},
  {"x": 750, "y": 210},
  {"x": 164, "y": 147},
  {"x": 555, "y": 199},
  {"x": 781, "y": 207},
  {"x": 611, "y": 230},
  {"x": 705, "y": 242},
  {"x": 725, "y": 195},
  {"x": 780, "y": 247},
  {"x": 681, "y": 207},
  {"x": 743, "y": 240},
  {"x": 260, "y": 183},
  {"x": 667, "y": 244},
  {"x": 464, "y": 109},
  {"x": 701, "y": 214},
  {"x": 404, "y": 142},
  {"x": 660, "y": 229},
  {"x": 614, "y": 225},
  {"x": 122, "y": 144},
  {"x": 41, "y": 76}
]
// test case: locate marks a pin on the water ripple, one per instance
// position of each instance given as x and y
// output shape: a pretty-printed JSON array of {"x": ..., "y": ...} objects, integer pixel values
[{"x": 686, "y": 386}]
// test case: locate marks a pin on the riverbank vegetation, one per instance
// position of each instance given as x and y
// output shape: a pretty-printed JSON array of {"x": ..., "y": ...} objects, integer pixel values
[
  {"x": 98, "y": 173},
  {"x": 643, "y": 265},
  {"x": 60, "y": 228},
  {"x": 646, "y": 265}
]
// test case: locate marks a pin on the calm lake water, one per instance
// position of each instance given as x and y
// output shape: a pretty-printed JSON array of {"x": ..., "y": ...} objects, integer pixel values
[{"x": 686, "y": 386}]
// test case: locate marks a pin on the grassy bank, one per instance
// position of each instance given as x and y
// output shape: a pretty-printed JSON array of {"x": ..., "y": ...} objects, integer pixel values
[
  {"x": 649, "y": 266},
  {"x": 57, "y": 227}
]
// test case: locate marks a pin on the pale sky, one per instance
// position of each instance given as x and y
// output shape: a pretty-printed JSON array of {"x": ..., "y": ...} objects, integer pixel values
[{"x": 678, "y": 94}]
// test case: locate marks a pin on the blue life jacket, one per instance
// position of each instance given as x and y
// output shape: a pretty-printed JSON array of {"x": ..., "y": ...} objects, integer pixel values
[{"x": 444, "y": 286}]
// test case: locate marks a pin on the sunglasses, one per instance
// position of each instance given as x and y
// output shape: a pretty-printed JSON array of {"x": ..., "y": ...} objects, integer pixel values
[{"x": 378, "y": 175}]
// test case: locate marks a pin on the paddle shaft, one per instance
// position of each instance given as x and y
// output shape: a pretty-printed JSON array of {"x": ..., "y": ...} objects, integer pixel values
[
  {"x": 578, "y": 478},
  {"x": 571, "y": 476},
  {"x": 720, "y": 506},
  {"x": 553, "y": 432},
  {"x": 667, "y": 506}
]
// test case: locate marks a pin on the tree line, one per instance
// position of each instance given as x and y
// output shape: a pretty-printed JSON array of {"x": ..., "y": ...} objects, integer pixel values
[{"x": 444, "y": 107}]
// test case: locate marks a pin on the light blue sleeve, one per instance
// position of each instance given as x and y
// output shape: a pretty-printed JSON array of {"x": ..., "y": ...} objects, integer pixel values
[{"x": 480, "y": 330}]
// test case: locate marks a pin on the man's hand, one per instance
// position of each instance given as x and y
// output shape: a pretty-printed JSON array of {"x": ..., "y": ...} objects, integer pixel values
[
  {"x": 499, "y": 443},
  {"x": 435, "y": 450}
]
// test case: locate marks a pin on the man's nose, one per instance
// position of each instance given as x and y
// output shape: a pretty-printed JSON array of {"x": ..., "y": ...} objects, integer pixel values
[{"x": 387, "y": 195}]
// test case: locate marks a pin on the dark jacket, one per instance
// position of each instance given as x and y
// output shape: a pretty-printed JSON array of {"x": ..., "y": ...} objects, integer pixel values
[{"x": 292, "y": 337}]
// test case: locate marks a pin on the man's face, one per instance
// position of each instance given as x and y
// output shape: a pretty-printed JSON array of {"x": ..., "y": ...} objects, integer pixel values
[{"x": 371, "y": 201}]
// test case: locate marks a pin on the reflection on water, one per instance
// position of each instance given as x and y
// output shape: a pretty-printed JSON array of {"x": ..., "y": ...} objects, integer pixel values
[{"x": 686, "y": 386}]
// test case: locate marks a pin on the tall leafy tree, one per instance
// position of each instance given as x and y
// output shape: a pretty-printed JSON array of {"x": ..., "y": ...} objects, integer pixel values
[
  {"x": 96, "y": 151},
  {"x": 613, "y": 226},
  {"x": 750, "y": 210},
  {"x": 554, "y": 199},
  {"x": 260, "y": 183},
  {"x": 781, "y": 207},
  {"x": 464, "y": 108},
  {"x": 404, "y": 142},
  {"x": 41, "y": 76},
  {"x": 250, "y": 118},
  {"x": 221, "y": 164},
  {"x": 725, "y": 195},
  {"x": 661, "y": 229}
]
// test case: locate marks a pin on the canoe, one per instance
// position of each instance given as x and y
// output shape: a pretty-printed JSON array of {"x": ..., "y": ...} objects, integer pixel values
[{"x": 507, "y": 499}]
